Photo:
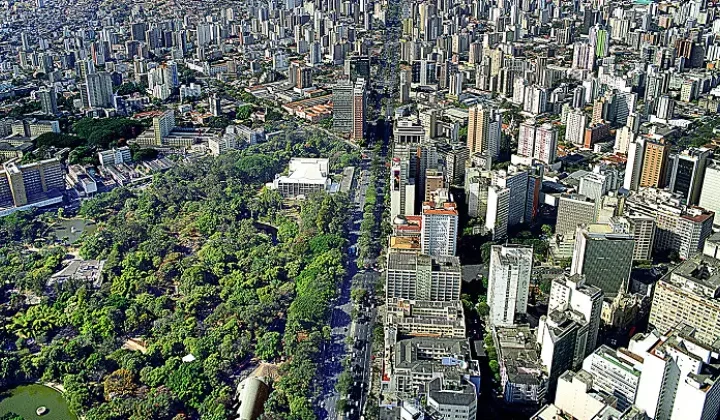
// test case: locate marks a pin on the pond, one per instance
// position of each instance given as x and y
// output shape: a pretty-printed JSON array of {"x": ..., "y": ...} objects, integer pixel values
[
  {"x": 25, "y": 399},
  {"x": 72, "y": 228}
]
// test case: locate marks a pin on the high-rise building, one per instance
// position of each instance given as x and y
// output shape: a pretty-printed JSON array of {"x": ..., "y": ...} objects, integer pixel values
[
  {"x": 687, "y": 170},
  {"x": 99, "y": 89},
  {"x": 679, "y": 380},
  {"x": 710, "y": 190},
  {"x": 689, "y": 294},
  {"x": 665, "y": 108},
  {"x": 642, "y": 229},
  {"x": 575, "y": 127},
  {"x": 539, "y": 142},
  {"x": 498, "y": 211},
  {"x": 402, "y": 182},
  {"x": 680, "y": 228},
  {"x": 508, "y": 283},
  {"x": 407, "y": 131},
  {"x": 163, "y": 125},
  {"x": 48, "y": 101},
  {"x": 343, "y": 106},
  {"x": 439, "y": 229},
  {"x": 603, "y": 256},
  {"x": 545, "y": 143},
  {"x": 478, "y": 122},
  {"x": 574, "y": 210},
  {"x": 26, "y": 184},
  {"x": 516, "y": 180},
  {"x": 572, "y": 293},
  {"x": 654, "y": 163},
  {"x": 476, "y": 193},
  {"x": 359, "y": 110},
  {"x": 615, "y": 372},
  {"x": 411, "y": 275}
]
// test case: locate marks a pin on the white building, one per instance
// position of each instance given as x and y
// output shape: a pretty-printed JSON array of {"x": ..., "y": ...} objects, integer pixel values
[
  {"x": 498, "y": 211},
  {"x": 509, "y": 283},
  {"x": 115, "y": 156},
  {"x": 439, "y": 230},
  {"x": 570, "y": 293},
  {"x": 679, "y": 378},
  {"x": 575, "y": 127},
  {"x": 306, "y": 175},
  {"x": 616, "y": 372},
  {"x": 710, "y": 191}
]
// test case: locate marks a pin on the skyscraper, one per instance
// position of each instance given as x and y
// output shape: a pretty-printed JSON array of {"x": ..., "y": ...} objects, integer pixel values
[
  {"x": 411, "y": 275},
  {"x": 574, "y": 210},
  {"x": 508, "y": 283},
  {"x": 575, "y": 127},
  {"x": 48, "y": 101},
  {"x": 710, "y": 190},
  {"x": 603, "y": 256},
  {"x": 349, "y": 108},
  {"x": 439, "y": 229},
  {"x": 687, "y": 170},
  {"x": 654, "y": 163},
  {"x": 478, "y": 122},
  {"x": 99, "y": 89}
]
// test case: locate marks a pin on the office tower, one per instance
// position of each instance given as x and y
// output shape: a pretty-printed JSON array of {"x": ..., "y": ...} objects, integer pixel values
[
  {"x": 594, "y": 186},
  {"x": 99, "y": 89},
  {"x": 516, "y": 180},
  {"x": 615, "y": 372},
  {"x": 575, "y": 127},
  {"x": 687, "y": 170},
  {"x": 215, "y": 105},
  {"x": 642, "y": 229},
  {"x": 532, "y": 202},
  {"x": 357, "y": 67},
  {"x": 604, "y": 257},
  {"x": 33, "y": 183},
  {"x": 162, "y": 126},
  {"x": 343, "y": 106},
  {"x": 455, "y": 162},
  {"x": 654, "y": 163},
  {"x": 349, "y": 108},
  {"x": 710, "y": 190},
  {"x": 48, "y": 101},
  {"x": 137, "y": 31},
  {"x": 679, "y": 378},
  {"x": 411, "y": 275},
  {"x": 478, "y": 122},
  {"x": 572, "y": 293},
  {"x": 439, "y": 229},
  {"x": 633, "y": 169},
  {"x": 560, "y": 336},
  {"x": 498, "y": 211},
  {"x": 574, "y": 210},
  {"x": 402, "y": 183},
  {"x": 623, "y": 137},
  {"x": 476, "y": 193},
  {"x": 625, "y": 104},
  {"x": 665, "y": 108},
  {"x": 359, "y": 110},
  {"x": 508, "y": 283}
]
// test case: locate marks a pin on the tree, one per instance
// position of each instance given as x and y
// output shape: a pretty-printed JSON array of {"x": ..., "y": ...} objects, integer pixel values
[
  {"x": 120, "y": 383},
  {"x": 268, "y": 346},
  {"x": 483, "y": 309},
  {"x": 546, "y": 230},
  {"x": 358, "y": 295},
  {"x": 244, "y": 112}
]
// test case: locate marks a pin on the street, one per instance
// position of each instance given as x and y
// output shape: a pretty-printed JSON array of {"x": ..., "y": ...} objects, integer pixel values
[{"x": 337, "y": 348}]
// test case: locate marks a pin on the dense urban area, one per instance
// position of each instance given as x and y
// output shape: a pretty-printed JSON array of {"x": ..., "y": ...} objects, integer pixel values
[{"x": 362, "y": 210}]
